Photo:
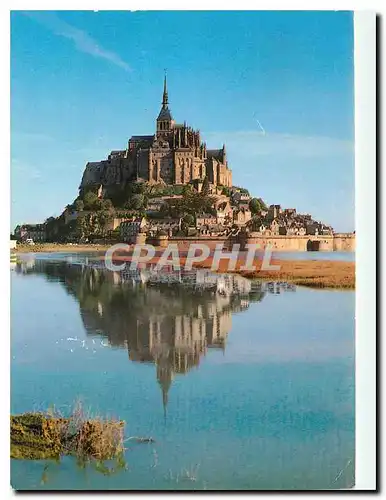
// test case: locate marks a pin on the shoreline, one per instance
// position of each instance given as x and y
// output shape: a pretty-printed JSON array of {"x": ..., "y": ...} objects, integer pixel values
[
  {"x": 310, "y": 273},
  {"x": 59, "y": 248}
]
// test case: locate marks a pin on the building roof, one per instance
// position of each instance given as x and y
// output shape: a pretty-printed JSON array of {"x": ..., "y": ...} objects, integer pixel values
[
  {"x": 117, "y": 152},
  {"x": 166, "y": 220},
  {"x": 214, "y": 153},
  {"x": 33, "y": 227},
  {"x": 206, "y": 216},
  {"x": 165, "y": 114},
  {"x": 142, "y": 138}
]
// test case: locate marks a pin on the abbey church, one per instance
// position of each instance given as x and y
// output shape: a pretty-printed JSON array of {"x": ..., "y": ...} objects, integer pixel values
[{"x": 175, "y": 154}]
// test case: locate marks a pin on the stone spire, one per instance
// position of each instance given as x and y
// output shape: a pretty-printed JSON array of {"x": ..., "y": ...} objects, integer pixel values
[
  {"x": 165, "y": 120},
  {"x": 165, "y": 99}
]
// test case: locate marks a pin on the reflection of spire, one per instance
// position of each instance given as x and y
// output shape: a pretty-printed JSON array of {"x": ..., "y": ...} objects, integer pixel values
[
  {"x": 165, "y": 400},
  {"x": 164, "y": 377},
  {"x": 154, "y": 323}
]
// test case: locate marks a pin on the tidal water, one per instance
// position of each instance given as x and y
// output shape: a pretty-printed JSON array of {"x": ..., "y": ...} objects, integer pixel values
[
  {"x": 341, "y": 256},
  {"x": 242, "y": 385}
]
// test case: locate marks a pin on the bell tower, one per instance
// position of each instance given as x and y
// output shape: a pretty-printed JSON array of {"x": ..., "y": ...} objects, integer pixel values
[{"x": 165, "y": 120}]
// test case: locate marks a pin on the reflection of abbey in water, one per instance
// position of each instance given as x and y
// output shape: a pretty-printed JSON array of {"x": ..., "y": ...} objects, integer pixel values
[{"x": 170, "y": 320}]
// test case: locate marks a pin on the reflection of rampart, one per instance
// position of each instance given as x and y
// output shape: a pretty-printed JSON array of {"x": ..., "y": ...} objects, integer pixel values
[{"x": 169, "y": 319}]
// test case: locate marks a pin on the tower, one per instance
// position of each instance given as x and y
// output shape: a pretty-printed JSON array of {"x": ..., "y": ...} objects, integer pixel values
[{"x": 165, "y": 120}]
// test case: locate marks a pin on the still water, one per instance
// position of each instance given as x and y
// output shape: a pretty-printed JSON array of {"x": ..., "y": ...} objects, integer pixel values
[
  {"x": 242, "y": 385},
  {"x": 340, "y": 256}
]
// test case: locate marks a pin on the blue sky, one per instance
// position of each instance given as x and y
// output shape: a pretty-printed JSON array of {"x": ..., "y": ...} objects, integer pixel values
[{"x": 83, "y": 82}]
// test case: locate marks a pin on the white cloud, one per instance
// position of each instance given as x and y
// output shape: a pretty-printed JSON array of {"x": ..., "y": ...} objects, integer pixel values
[{"x": 82, "y": 40}]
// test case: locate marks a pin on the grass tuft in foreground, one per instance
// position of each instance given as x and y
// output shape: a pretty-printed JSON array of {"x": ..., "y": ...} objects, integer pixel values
[{"x": 49, "y": 435}]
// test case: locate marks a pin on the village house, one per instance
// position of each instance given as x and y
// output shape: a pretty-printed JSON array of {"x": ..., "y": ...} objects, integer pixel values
[
  {"x": 312, "y": 228},
  {"x": 239, "y": 197},
  {"x": 206, "y": 220},
  {"x": 220, "y": 217},
  {"x": 277, "y": 227},
  {"x": 224, "y": 218},
  {"x": 217, "y": 230},
  {"x": 274, "y": 211},
  {"x": 214, "y": 230},
  {"x": 289, "y": 212},
  {"x": 242, "y": 216},
  {"x": 169, "y": 225},
  {"x": 114, "y": 223},
  {"x": 243, "y": 205},
  {"x": 224, "y": 211},
  {"x": 326, "y": 230},
  {"x": 35, "y": 232},
  {"x": 155, "y": 204},
  {"x": 129, "y": 229},
  {"x": 222, "y": 202},
  {"x": 296, "y": 230}
]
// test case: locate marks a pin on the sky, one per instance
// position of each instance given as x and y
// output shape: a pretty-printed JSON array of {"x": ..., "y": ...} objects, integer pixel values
[{"x": 276, "y": 87}]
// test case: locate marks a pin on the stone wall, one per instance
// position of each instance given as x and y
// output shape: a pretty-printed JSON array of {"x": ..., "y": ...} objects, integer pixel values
[
  {"x": 210, "y": 241},
  {"x": 336, "y": 242},
  {"x": 287, "y": 243},
  {"x": 339, "y": 242},
  {"x": 344, "y": 242}
]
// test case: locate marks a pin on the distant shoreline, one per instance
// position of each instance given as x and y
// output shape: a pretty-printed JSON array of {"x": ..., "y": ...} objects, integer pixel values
[
  {"x": 59, "y": 248},
  {"x": 98, "y": 247},
  {"x": 311, "y": 273}
]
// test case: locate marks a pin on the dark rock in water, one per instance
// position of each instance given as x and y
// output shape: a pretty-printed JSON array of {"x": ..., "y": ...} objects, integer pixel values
[{"x": 141, "y": 439}]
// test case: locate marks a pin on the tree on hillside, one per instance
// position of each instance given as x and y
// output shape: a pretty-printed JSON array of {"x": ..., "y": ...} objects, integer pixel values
[
  {"x": 106, "y": 204},
  {"x": 91, "y": 201},
  {"x": 187, "y": 189},
  {"x": 189, "y": 220},
  {"x": 51, "y": 225},
  {"x": 165, "y": 209},
  {"x": 136, "y": 202},
  {"x": 256, "y": 205},
  {"x": 79, "y": 205},
  {"x": 102, "y": 220},
  {"x": 138, "y": 187},
  {"x": 205, "y": 187},
  {"x": 262, "y": 204},
  {"x": 118, "y": 195}
]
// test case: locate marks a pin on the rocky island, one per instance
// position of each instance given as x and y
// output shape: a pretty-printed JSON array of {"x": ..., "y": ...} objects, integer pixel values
[{"x": 171, "y": 184}]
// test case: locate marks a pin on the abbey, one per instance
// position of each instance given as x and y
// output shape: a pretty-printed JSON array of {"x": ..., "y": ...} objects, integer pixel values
[{"x": 175, "y": 154}]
